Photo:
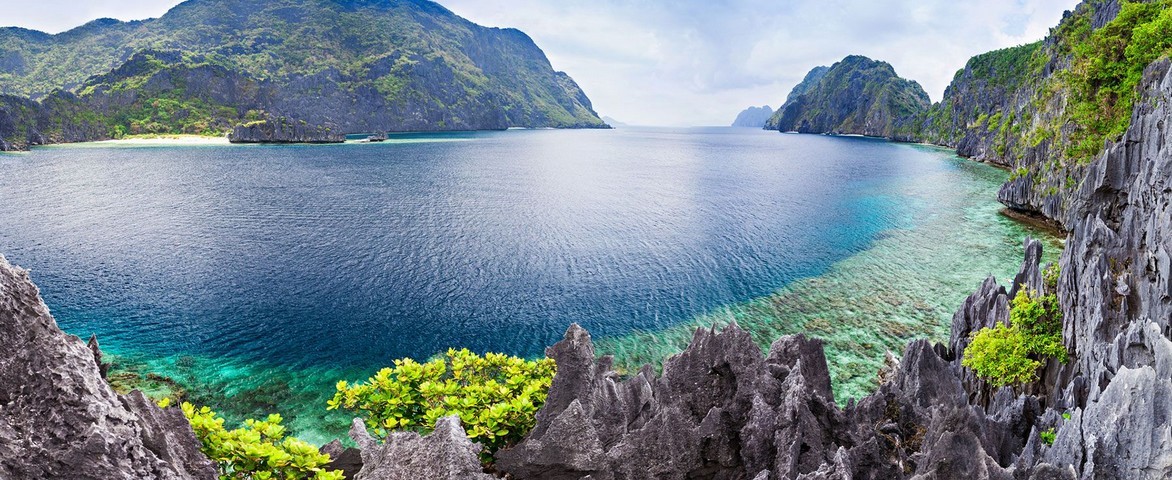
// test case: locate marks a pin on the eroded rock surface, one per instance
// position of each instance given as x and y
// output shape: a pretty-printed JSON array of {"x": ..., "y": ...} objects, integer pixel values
[
  {"x": 444, "y": 454},
  {"x": 60, "y": 419}
]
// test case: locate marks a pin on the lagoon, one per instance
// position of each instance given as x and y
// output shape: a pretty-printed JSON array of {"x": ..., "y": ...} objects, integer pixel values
[{"x": 258, "y": 275}]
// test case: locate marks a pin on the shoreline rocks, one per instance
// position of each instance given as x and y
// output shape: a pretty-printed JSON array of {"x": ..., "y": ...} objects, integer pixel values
[{"x": 284, "y": 130}]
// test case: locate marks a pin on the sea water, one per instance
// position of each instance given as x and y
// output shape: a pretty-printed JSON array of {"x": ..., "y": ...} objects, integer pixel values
[{"x": 256, "y": 277}]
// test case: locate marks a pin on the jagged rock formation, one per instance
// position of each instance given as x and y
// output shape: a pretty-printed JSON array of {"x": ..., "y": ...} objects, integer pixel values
[
  {"x": 723, "y": 410},
  {"x": 444, "y": 454},
  {"x": 1116, "y": 295},
  {"x": 753, "y": 117},
  {"x": 60, "y": 419},
  {"x": 283, "y": 130},
  {"x": 857, "y": 95},
  {"x": 359, "y": 65}
]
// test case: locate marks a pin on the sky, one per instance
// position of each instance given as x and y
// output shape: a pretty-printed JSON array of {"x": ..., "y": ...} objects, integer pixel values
[{"x": 699, "y": 62}]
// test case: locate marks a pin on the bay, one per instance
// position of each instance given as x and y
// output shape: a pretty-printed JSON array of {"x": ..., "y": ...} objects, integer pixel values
[{"x": 257, "y": 276}]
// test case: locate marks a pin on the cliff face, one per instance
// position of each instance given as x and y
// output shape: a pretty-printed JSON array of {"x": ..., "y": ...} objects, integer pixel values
[
  {"x": 754, "y": 117},
  {"x": 58, "y": 416},
  {"x": 809, "y": 81},
  {"x": 18, "y": 119},
  {"x": 361, "y": 66},
  {"x": 985, "y": 105},
  {"x": 854, "y": 96}
]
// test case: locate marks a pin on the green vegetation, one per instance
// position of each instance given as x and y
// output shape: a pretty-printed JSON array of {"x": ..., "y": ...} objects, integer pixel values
[
  {"x": 1106, "y": 67},
  {"x": 1007, "y": 68},
  {"x": 855, "y": 95},
  {"x": 991, "y": 75},
  {"x": 1048, "y": 436},
  {"x": 1010, "y": 354},
  {"x": 496, "y": 396},
  {"x": 258, "y": 451}
]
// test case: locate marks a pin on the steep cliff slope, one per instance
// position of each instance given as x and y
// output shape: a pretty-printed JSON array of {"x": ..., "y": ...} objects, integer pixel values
[
  {"x": 809, "y": 81},
  {"x": 1047, "y": 109},
  {"x": 854, "y": 96},
  {"x": 356, "y": 65}
]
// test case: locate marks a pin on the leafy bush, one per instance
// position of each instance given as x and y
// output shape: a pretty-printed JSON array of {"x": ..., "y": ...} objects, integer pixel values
[
  {"x": 1048, "y": 436},
  {"x": 259, "y": 451},
  {"x": 999, "y": 355},
  {"x": 496, "y": 396},
  {"x": 1011, "y": 354}
]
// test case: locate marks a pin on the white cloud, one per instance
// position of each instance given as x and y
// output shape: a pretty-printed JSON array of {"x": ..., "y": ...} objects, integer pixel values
[
  {"x": 702, "y": 61},
  {"x": 699, "y": 62}
]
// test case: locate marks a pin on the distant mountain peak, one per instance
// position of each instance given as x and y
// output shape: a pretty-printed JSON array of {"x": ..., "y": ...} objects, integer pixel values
[{"x": 754, "y": 117}]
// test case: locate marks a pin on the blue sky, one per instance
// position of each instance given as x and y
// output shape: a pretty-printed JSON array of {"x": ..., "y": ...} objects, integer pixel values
[{"x": 699, "y": 62}]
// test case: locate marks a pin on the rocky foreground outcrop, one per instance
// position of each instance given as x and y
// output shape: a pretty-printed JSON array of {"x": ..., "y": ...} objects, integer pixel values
[
  {"x": 722, "y": 409},
  {"x": 58, "y": 416}
]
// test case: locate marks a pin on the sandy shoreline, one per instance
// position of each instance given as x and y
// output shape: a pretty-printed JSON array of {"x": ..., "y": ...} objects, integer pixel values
[{"x": 166, "y": 140}]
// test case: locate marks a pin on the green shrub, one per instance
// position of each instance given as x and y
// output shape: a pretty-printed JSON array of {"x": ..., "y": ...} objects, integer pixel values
[
  {"x": 258, "y": 451},
  {"x": 999, "y": 355},
  {"x": 1011, "y": 354},
  {"x": 1048, "y": 436},
  {"x": 496, "y": 396}
]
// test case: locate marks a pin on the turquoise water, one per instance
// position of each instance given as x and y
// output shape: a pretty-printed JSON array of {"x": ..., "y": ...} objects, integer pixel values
[{"x": 258, "y": 276}]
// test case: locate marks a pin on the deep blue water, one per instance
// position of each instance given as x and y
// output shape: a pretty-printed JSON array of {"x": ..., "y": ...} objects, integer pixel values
[{"x": 355, "y": 254}]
